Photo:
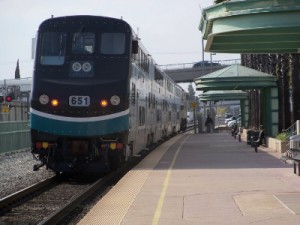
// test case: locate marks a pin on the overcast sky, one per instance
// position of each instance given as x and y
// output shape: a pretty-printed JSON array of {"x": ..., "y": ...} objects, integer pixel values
[{"x": 167, "y": 28}]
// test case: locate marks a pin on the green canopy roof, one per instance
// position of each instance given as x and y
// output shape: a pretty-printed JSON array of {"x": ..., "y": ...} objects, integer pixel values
[
  {"x": 223, "y": 95},
  {"x": 235, "y": 77},
  {"x": 252, "y": 26}
]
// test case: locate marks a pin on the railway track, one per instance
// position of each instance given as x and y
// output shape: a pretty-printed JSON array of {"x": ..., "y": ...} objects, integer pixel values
[
  {"x": 35, "y": 203},
  {"x": 52, "y": 200}
]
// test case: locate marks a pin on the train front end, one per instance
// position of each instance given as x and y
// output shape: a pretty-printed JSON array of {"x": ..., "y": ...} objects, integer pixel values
[{"x": 80, "y": 107}]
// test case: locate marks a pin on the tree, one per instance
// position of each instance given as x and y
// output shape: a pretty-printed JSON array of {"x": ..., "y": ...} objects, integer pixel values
[
  {"x": 192, "y": 97},
  {"x": 191, "y": 92},
  {"x": 17, "y": 71}
]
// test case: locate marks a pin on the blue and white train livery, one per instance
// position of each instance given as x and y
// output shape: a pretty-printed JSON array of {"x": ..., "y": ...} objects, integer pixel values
[{"x": 97, "y": 96}]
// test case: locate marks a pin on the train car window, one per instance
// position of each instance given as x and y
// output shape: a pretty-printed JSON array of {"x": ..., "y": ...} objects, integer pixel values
[
  {"x": 158, "y": 77},
  {"x": 170, "y": 86},
  {"x": 169, "y": 116},
  {"x": 112, "y": 43},
  {"x": 135, "y": 47},
  {"x": 133, "y": 90},
  {"x": 149, "y": 100},
  {"x": 53, "y": 48},
  {"x": 142, "y": 116},
  {"x": 83, "y": 43},
  {"x": 158, "y": 115},
  {"x": 178, "y": 92}
]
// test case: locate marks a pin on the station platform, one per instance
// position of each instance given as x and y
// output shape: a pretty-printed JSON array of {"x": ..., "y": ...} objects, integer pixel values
[{"x": 206, "y": 178}]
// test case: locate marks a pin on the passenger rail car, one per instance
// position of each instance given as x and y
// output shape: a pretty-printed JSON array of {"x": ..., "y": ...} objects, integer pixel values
[{"x": 98, "y": 97}]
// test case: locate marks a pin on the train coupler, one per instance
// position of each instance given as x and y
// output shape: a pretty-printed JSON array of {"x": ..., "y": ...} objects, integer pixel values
[{"x": 36, "y": 167}]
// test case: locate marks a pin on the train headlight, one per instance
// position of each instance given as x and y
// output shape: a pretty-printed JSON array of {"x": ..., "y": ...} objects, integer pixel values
[
  {"x": 54, "y": 102},
  {"x": 44, "y": 99},
  {"x": 103, "y": 103},
  {"x": 86, "y": 67},
  {"x": 76, "y": 66},
  {"x": 115, "y": 100}
]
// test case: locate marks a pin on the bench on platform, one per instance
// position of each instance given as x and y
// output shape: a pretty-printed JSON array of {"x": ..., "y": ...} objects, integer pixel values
[
  {"x": 294, "y": 155},
  {"x": 256, "y": 140},
  {"x": 296, "y": 163}
]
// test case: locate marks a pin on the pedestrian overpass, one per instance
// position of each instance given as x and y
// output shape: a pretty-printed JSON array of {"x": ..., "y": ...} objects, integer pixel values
[{"x": 187, "y": 72}]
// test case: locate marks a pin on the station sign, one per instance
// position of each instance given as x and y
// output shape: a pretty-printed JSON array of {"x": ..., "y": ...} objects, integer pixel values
[
  {"x": 194, "y": 105},
  {"x": 5, "y": 109}
]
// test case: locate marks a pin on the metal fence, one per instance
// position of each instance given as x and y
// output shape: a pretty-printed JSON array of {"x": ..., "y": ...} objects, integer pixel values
[{"x": 14, "y": 135}]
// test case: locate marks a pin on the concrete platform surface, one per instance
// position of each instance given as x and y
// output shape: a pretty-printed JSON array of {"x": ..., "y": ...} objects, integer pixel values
[{"x": 196, "y": 179}]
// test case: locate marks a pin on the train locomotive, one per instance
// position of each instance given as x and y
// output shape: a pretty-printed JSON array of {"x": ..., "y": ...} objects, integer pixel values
[{"x": 98, "y": 98}]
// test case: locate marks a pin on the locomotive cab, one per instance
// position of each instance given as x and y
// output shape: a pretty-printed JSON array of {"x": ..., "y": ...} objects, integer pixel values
[
  {"x": 79, "y": 105},
  {"x": 98, "y": 97}
]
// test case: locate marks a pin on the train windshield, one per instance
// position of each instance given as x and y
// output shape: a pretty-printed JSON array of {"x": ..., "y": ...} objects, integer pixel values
[
  {"x": 112, "y": 43},
  {"x": 83, "y": 43},
  {"x": 53, "y": 48}
]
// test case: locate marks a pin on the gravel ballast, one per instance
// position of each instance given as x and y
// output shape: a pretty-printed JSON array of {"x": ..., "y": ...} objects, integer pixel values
[{"x": 16, "y": 172}]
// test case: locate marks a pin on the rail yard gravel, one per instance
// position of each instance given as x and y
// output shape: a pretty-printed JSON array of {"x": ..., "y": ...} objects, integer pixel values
[{"x": 16, "y": 172}]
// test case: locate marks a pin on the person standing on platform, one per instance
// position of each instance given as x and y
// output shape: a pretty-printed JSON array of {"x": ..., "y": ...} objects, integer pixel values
[{"x": 209, "y": 124}]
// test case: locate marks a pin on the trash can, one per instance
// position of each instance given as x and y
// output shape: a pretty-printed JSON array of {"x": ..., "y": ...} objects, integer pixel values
[{"x": 295, "y": 142}]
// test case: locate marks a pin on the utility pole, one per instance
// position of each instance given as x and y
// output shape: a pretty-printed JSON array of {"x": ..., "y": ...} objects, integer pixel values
[
  {"x": 194, "y": 105},
  {"x": 202, "y": 50}
]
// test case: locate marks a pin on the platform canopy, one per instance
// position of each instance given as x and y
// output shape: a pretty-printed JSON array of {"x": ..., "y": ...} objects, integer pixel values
[
  {"x": 235, "y": 77},
  {"x": 252, "y": 26},
  {"x": 223, "y": 95}
]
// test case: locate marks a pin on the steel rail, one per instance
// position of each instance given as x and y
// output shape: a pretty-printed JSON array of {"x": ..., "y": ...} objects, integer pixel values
[
  {"x": 7, "y": 202},
  {"x": 99, "y": 186}
]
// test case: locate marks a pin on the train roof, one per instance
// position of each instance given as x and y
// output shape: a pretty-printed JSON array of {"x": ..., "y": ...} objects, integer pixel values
[
  {"x": 81, "y": 18},
  {"x": 90, "y": 18}
]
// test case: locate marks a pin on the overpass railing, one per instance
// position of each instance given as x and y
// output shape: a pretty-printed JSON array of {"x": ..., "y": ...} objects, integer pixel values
[{"x": 191, "y": 65}]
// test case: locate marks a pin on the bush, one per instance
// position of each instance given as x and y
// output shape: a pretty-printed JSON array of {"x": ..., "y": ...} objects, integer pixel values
[{"x": 282, "y": 136}]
